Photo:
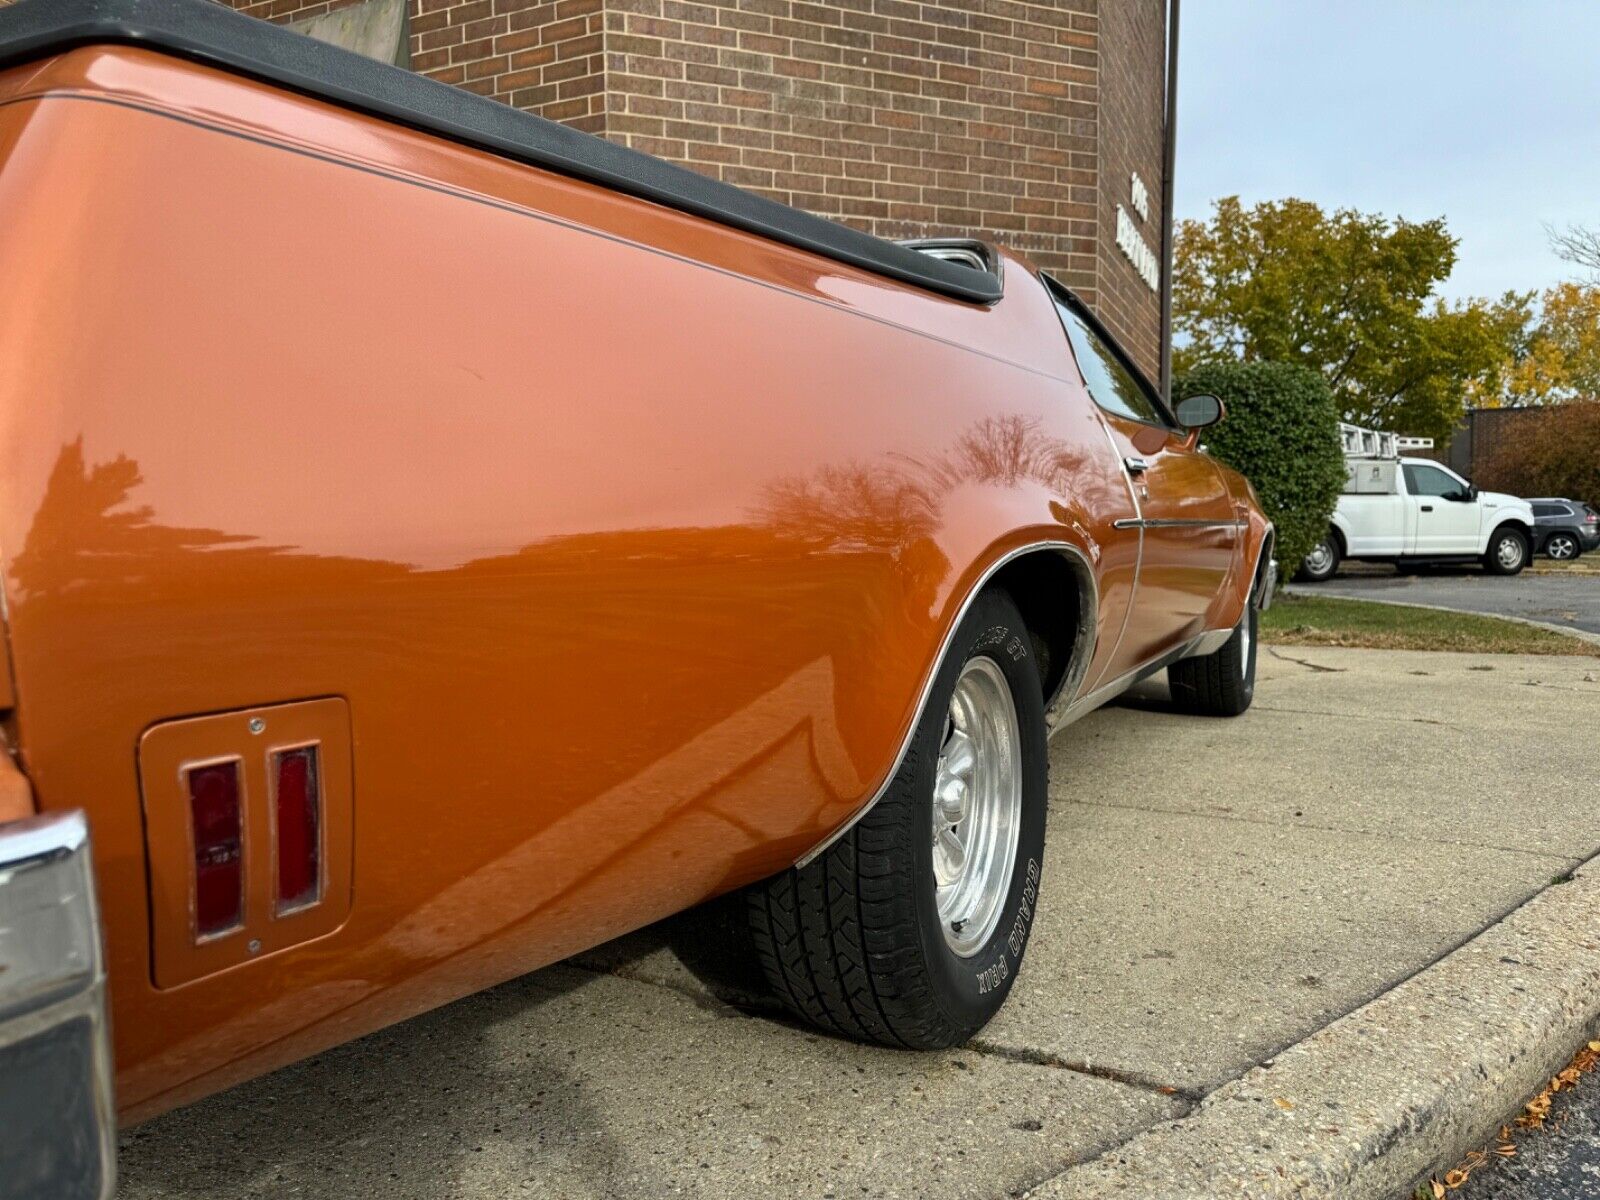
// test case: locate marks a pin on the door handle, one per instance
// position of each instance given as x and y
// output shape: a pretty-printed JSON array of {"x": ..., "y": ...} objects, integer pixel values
[
  {"x": 1135, "y": 465},
  {"x": 1427, "y": 508}
]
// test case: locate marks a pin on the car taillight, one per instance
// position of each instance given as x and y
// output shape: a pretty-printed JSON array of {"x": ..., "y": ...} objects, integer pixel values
[
  {"x": 297, "y": 803},
  {"x": 214, "y": 816}
]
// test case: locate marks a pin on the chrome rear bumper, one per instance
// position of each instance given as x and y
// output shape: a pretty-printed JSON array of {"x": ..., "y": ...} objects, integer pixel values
[{"x": 57, "y": 1119}]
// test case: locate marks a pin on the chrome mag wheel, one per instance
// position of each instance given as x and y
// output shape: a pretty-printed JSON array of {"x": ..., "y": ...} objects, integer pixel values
[
  {"x": 977, "y": 807},
  {"x": 1561, "y": 546}
]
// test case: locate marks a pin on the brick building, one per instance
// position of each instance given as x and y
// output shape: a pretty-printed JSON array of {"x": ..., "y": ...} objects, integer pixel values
[{"x": 1037, "y": 125}]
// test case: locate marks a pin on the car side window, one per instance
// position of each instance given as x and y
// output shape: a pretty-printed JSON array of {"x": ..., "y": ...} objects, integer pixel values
[
  {"x": 1429, "y": 481},
  {"x": 1111, "y": 385},
  {"x": 1549, "y": 510}
]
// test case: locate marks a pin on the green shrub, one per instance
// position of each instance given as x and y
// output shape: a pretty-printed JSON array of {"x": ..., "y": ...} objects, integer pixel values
[{"x": 1282, "y": 434}]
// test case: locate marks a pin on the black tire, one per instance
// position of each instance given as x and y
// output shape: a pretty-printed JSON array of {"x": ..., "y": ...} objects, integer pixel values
[
  {"x": 852, "y": 942},
  {"x": 1563, "y": 547},
  {"x": 1323, "y": 561},
  {"x": 1498, "y": 559},
  {"x": 1222, "y": 683}
]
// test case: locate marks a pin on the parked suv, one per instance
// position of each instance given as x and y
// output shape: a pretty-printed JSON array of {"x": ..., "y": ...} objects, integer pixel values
[
  {"x": 1410, "y": 511},
  {"x": 1564, "y": 529}
]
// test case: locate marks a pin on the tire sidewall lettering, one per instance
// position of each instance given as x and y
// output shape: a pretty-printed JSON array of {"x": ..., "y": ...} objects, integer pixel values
[{"x": 973, "y": 988}]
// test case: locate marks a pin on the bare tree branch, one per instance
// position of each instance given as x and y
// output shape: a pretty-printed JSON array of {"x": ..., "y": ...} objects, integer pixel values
[{"x": 1577, "y": 244}]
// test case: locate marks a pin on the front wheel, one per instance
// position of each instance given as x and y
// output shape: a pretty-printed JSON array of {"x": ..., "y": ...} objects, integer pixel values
[
  {"x": 1222, "y": 683},
  {"x": 1507, "y": 553},
  {"x": 909, "y": 930},
  {"x": 1321, "y": 562}
]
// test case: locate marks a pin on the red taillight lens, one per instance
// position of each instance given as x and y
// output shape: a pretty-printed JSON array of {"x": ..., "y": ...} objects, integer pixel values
[
  {"x": 298, "y": 801},
  {"x": 218, "y": 845}
]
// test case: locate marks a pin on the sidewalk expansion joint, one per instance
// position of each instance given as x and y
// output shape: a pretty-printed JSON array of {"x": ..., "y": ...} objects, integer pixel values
[
  {"x": 727, "y": 1004},
  {"x": 1347, "y": 716},
  {"x": 718, "y": 1003},
  {"x": 1185, "y": 1097},
  {"x": 1305, "y": 663}
]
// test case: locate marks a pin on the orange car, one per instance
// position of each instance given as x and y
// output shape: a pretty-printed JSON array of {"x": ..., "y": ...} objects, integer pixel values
[{"x": 437, "y": 541}]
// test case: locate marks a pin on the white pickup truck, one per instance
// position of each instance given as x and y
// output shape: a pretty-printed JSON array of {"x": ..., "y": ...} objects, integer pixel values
[{"x": 1410, "y": 511}]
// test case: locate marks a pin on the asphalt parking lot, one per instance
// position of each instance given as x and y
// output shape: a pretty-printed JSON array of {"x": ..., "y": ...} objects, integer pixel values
[
  {"x": 1558, "y": 1162},
  {"x": 1215, "y": 891},
  {"x": 1567, "y": 597}
]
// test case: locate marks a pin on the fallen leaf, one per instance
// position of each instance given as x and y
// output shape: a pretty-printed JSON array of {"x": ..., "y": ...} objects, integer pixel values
[
  {"x": 1454, "y": 1179},
  {"x": 1286, "y": 1105},
  {"x": 1438, "y": 1189}
]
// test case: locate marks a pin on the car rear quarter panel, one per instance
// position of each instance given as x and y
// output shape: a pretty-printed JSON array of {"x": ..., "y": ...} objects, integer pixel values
[{"x": 628, "y": 539}]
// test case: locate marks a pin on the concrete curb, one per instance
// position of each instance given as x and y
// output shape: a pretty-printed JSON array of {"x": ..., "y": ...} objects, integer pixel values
[
  {"x": 1373, "y": 1103},
  {"x": 1581, "y": 634}
]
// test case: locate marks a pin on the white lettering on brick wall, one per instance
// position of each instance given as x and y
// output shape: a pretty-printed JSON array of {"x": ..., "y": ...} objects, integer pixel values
[
  {"x": 1141, "y": 198},
  {"x": 1131, "y": 242}
]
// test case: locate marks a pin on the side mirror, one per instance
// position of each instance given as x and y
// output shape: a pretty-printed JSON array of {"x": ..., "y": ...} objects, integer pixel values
[
  {"x": 1464, "y": 495},
  {"x": 1197, "y": 412}
]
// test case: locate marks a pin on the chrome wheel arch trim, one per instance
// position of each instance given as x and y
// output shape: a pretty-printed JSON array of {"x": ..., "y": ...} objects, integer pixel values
[
  {"x": 1264, "y": 576},
  {"x": 1083, "y": 646}
]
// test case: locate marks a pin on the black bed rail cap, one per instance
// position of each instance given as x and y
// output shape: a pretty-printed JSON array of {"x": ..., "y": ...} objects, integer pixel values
[{"x": 206, "y": 32}]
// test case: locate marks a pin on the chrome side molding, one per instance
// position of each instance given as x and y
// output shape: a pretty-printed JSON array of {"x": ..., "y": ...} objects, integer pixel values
[
  {"x": 57, "y": 1117},
  {"x": 1177, "y": 523}
]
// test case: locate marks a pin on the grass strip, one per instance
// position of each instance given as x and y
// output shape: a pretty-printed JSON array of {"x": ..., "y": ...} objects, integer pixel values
[{"x": 1330, "y": 621}]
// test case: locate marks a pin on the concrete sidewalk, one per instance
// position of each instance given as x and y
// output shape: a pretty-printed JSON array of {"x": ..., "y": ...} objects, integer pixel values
[{"x": 1216, "y": 892}]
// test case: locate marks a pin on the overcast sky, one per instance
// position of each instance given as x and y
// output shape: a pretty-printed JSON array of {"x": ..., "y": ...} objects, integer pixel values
[{"x": 1484, "y": 112}]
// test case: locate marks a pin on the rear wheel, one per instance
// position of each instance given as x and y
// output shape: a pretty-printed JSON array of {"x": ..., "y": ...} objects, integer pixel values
[
  {"x": 1507, "y": 553},
  {"x": 1222, "y": 683},
  {"x": 909, "y": 930},
  {"x": 1562, "y": 547},
  {"x": 1321, "y": 562}
]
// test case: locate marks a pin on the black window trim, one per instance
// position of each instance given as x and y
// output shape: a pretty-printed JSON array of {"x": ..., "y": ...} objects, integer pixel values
[{"x": 1065, "y": 295}]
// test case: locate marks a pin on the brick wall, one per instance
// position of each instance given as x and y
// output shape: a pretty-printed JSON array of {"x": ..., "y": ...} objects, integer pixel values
[
  {"x": 905, "y": 119},
  {"x": 543, "y": 56},
  {"x": 1018, "y": 122},
  {"x": 1133, "y": 59}
]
